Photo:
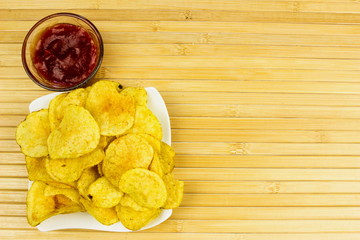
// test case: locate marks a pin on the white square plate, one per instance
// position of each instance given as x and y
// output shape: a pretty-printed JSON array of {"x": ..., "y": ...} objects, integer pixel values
[{"x": 84, "y": 220}]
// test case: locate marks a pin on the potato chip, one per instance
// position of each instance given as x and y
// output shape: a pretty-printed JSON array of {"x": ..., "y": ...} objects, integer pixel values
[
  {"x": 39, "y": 207},
  {"x": 70, "y": 193},
  {"x": 77, "y": 134},
  {"x": 166, "y": 158},
  {"x": 75, "y": 97},
  {"x": 146, "y": 122},
  {"x": 63, "y": 204},
  {"x": 32, "y": 134},
  {"x": 144, "y": 186},
  {"x": 106, "y": 216},
  {"x": 36, "y": 169},
  {"x": 88, "y": 176},
  {"x": 156, "y": 166},
  {"x": 70, "y": 169},
  {"x": 112, "y": 111},
  {"x": 56, "y": 109},
  {"x": 155, "y": 143},
  {"x": 135, "y": 220},
  {"x": 175, "y": 191},
  {"x": 99, "y": 168},
  {"x": 127, "y": 201},
  {"x": 124, "y": 153},
  {"x": 139, "y": 94},
  {"x": 54, "y": 119},
  {"x": 105, "y": 141},
  {"x": 61, "y": 185},
  {"x": 103, "y": 194}
]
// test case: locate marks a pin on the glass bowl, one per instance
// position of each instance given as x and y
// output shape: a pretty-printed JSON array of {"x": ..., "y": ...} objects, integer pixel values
[{"x": 33, "y": 37}]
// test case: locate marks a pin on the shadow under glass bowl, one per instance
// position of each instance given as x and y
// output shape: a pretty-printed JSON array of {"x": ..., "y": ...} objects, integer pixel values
[{"x": 33, "y": 37}]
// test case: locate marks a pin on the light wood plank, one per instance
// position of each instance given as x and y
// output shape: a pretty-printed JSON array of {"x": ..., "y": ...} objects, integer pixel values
[
  {"x": 139, "y": 75},
  {"x": 236, "y": 161},
  {"x": 238, "y": 213},
  {"x": 240, "y": 148},
  {"x": 279, "y": 187},
  {"x": 18, "y": 171},
  {"x": 255, "y": 213},
  {"x": 238, "y": 226},
  {"x": 270, "y": 200},
  {"x": 234, "y": 174},
  {"x": 210, "y": 38},
  {"x": 238, "y": 200},
  {"x": 7, "y": 132},
  {"x": 202, "y": 26},
  {"x": 213, "y": 50},
  {"x": 24, "y": 96},
  {"x": 260, "y": 98},
  {"x": 292, "y": 6},
  {"x": 245, "y": 111},
  {"x": 32, "y": 234},
  {"x": 13, "y": 183},
  {"x": 248, "y": 111},
  {"x": 290, "y": 136},
  {"x": 226, "y": 187},
  {"x": 218, "y": 85},
  {"x": 264, "y": 124},
  {"x": 209, "y": 97},
  {"x": 191, "y": 15},
  {"x": 237, "y": 123},
  {"x": 263, "y": 161},
  {"x": 214, "y": 62}
]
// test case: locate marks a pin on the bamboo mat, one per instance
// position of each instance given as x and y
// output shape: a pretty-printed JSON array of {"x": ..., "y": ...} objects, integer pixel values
[{"x": 264, "y": 100}]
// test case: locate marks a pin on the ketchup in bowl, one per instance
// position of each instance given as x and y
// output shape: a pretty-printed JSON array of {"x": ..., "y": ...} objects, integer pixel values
[
  {"x": 62, "y": 51},
  {"x": 65, "y": 54}
]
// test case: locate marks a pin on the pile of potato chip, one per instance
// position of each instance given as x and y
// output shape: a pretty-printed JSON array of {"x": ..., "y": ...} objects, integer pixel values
[{"x": 98, "y": 149}]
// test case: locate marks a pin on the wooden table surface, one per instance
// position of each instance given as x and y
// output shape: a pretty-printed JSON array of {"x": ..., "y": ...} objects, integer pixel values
[{"x": 264, "y": 99}]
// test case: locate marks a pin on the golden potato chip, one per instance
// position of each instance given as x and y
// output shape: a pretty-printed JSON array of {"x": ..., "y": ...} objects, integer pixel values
[
  {"x": 112, "y": 111},
  {"x": 66, "y": 205},
  {"x": 105, "y": 141},
  {"x": 155, "y": 143},
  {"x": 135, "y": 220},
  {"x": 54, "y": 119},
  {"x": 39, "y": 207},
  {"x": 32, "y": 134},
  {"x": 36, "y": 169},
  {"x": 70, "y": 193},
  {"x": 59, "y": 103},
  {"x": 124, "y": 153},
  {"x": 99, "y": 168},
  {"x": 146, "y": 122},
  {"x": 127, "y": 201},
  {"x": 156, "y": 166},
  {"x": 175, "y": 191},
  {"x": 88, "y": 88},
  {"x": 61, "y": 185},
  {"x": 88, "y": 176},
  {"x": 144, "y": 186},
  {"x": 139, "y": 94},
  {"x": 77, "y": 134},
  {"x": 166, "y": 158},
  {"x": 106, "y": 216},
  {"x": 75, "y": 97},
  {"x": 70, "y": 169},
  {"x": 103, "y": 194}
]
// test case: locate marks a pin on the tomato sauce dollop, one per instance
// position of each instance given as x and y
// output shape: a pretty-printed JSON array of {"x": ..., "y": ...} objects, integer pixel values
[{"x": 65, "y": 54}]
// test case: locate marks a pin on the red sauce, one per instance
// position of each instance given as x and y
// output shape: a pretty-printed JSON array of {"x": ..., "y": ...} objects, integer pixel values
[{"x": 65, "y": 54}]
